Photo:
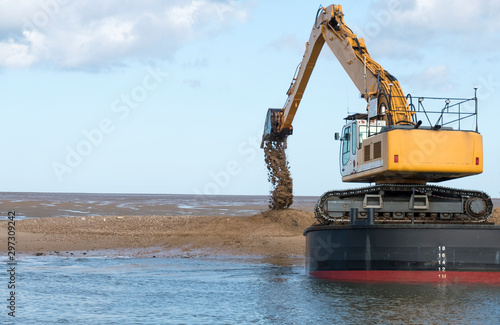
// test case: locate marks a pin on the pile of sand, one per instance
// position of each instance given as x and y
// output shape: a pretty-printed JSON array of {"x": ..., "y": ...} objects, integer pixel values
[
  {"x": 272, "y": 233},
  {"x": 495, "y": 216},
  {"x": 278, "y": 175}
]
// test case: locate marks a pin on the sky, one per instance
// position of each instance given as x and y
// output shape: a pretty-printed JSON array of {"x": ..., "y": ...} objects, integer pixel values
[{"x": 170, "y": 96}]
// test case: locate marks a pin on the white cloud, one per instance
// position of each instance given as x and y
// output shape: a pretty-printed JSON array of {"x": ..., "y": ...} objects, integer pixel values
[
  {"x": 403, "y": 28},
  {"x": 193, "y": 83},
  {"x": 436, "y": 77},
  {"x": 93, "y": 34},
  {"x": 288, "y": 42},
  {"x": 24, "y": 53},
  {"x": 445, "y": 15}
]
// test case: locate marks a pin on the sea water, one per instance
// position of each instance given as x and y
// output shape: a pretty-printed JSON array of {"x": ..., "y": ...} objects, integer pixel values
[
  {"x": 226, "y": 290},
  {"x": 208, "y": 290},
  {"x": 39, "y": 205}
]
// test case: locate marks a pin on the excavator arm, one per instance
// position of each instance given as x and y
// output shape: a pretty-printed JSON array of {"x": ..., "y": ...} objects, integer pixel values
[{"x": 376, "y": 85}]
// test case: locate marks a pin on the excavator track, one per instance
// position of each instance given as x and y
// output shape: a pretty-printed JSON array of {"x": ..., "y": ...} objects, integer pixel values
[{"x": 405, "y": 203}]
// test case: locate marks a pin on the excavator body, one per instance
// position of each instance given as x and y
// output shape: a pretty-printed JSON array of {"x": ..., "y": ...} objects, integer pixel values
[
  {"x": 400, "y": 228},
  {"x": 403, "y": 154},
  {"x": 389, "y": 145}
]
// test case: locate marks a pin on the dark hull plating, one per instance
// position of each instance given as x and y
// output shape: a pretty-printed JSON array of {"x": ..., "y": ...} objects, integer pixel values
[{"x": 405, "y": 253}]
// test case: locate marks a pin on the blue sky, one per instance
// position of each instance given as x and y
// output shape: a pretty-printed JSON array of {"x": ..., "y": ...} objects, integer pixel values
[{"x": 170, "y": 96}]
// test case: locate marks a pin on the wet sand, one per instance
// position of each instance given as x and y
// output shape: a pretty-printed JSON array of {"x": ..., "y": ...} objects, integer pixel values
[
  {"x": 277, "y": 233},
  {"x": 271, "y": 233}
]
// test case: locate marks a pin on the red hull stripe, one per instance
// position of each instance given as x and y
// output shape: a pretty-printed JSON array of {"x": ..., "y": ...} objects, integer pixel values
[{"x": 410, "y": 276}]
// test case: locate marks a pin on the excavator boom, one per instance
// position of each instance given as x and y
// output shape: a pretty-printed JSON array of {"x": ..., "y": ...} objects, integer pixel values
[{"x": 374, "y": 83}]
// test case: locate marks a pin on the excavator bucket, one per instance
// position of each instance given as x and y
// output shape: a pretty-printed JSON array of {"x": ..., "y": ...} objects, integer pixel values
[{"x": 272, "y": 130}]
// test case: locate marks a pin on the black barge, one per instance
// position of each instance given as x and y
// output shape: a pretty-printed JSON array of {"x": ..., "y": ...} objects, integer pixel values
[{"x": 450, "y": 253}]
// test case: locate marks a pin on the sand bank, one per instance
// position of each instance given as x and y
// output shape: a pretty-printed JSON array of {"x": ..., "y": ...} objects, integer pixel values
[
  {"x": 272, "y": 233},
  {"x": 267, "y": 234}
]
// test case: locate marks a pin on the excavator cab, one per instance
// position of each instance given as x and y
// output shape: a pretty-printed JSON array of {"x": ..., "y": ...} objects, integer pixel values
[
  {"x": 348, "y": 148},
  {"x": 353, "y": 133}
]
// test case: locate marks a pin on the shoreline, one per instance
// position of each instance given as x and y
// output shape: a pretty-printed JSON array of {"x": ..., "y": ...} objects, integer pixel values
[
  {"x": 267, "y": 234},
  {"x": 277, "y": 234}
]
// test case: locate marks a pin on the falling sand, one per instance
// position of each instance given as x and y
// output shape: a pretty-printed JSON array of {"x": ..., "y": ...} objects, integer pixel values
[{"x": 278, "y": 175}]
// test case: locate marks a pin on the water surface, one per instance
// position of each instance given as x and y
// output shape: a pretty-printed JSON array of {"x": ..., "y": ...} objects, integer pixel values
[{"x": 230, "y": 290}]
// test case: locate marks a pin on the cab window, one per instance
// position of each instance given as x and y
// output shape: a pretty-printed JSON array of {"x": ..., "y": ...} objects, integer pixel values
[{"x": 346, "y": 145}]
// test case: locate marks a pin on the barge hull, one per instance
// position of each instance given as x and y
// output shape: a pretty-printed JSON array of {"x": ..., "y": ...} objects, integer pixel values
[
  {"x": 462, "y": 277},
  {"x": 405, "y": 253}
]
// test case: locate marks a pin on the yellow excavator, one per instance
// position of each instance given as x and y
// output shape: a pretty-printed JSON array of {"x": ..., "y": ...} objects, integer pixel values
[{"x": 388, "y": 145}]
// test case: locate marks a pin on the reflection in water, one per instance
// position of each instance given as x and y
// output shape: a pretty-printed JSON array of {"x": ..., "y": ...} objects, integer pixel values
[{"x": 414, "y": 304}]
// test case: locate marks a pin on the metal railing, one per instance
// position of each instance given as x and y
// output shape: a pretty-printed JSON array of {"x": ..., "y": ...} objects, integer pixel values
[{"x": 447, "y": 112}]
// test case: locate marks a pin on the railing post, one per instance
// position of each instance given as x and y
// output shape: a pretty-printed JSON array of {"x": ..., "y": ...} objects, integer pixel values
[{"x": 475, "y": 102}]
